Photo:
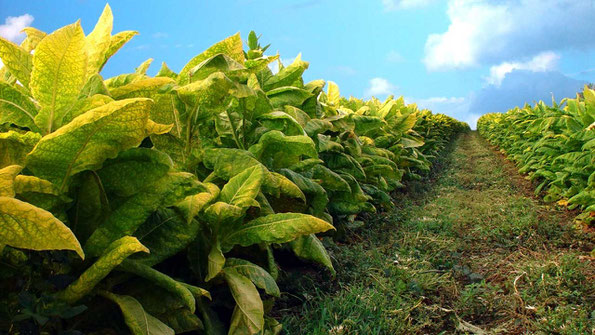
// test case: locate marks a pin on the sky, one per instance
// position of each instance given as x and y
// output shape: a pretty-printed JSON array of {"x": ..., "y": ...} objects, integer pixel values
[{"x": 463, "y": 58}]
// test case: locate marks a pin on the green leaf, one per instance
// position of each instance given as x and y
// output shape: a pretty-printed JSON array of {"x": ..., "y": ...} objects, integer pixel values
[
  {"x": 310, "y": 248},
  {"x": 221, "y": 212},
  {"x": 283, "y": 122},
  {"x": 287, "y": 75},
  {"x": 215, "y": 261},
  {"x": 14, "y": 147},
  {"x": 283, "y": 186},
  {"x": 123, "y": 79},
  {"x": 242, "y": 189},
  {"x": 113, "y": 255},
  {"x": 193, "y": 204},
  {"x": 211, "y": 93},
  {"x": 138, "y": 321},
  {"x": 143, "y": 88},
  {"x": 404, "y": 123},
  {"x": 143, "y": 67},
  {"x": 133, "y": 211},
  {"x": 17, "y": 60},
  {"x": 165, "y": 233},
  {"x": 165, "y": 71},
  {"x": 82, "y": 106},
  {"x": 288, "y": 95},
  {"x": 226, "y": 163},
  {"x": 23, "y": 225},
  {"x": 59, "y": 73},
  {"x": 248, "y": 315},
  {"x": 252, "y": 40},
  {"x": 132, "y": 170},
  {"x": 280, "y": 151},
  {"x": 330, "y": 180},
  {"x": 218, "y": 63},
  {"x": 274, "y": 228},
  {"x": 39, "y": 192},
  {"x": 411, "y": 142},
  {"x": 88, "y": 140},
  {"x": 16, "y": 108},
  {"x": 231, "y": 46},
  {"x": 315, "y": 194},
  {"x": 7, "y": 176},
  {"x": 259, "y": 276},
  {"x": 162, "y": 280},
  {"x": 99, "y": 40},
  {"x": 94, "y": 85}
]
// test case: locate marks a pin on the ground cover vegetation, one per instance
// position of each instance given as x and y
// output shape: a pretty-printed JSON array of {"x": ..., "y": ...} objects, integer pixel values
[
  {"x": 469, "y": 250},
  {"x": 160, "y": 204}
]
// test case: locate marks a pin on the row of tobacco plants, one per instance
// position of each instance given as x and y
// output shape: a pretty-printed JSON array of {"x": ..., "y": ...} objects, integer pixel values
[
  {"x": 157, "y": 205},
  {"x": 555, "y": 146}
]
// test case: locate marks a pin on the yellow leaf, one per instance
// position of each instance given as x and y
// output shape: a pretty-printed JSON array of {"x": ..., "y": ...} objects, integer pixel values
[
  {"x": 99, "y": 40},
  {"x": 59, "y": 72},
  {"x": 23, "y": 225}
]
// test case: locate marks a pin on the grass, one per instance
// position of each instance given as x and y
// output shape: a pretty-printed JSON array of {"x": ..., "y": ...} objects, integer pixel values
[{"x": 468, "y": 251}]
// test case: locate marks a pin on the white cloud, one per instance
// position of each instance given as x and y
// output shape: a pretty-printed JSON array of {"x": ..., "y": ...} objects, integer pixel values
[
  {"x": 380, "y": 87},
  {"x": 489, "y": 32},
  {"x": 545, "y": 61},
  {"x": 391, "y": 5},
  {"x": 11, "y": 29},
  {"x": 394, "y": 57}
]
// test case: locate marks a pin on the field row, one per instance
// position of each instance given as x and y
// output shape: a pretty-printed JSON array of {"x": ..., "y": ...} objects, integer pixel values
[{"x": 554, "y": 145}]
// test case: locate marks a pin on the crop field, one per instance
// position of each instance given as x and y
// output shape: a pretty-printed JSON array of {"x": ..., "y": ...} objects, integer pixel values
[{"x": 227, "y": 198}]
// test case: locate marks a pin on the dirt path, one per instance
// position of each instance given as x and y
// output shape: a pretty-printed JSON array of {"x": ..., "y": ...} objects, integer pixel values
[{"x": 470, "y": 252}]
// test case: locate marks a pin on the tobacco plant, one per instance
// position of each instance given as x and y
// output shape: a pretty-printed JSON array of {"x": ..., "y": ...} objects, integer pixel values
[
  {"x": 159, "y": 204},
  {"x": 554, "y": 145}
]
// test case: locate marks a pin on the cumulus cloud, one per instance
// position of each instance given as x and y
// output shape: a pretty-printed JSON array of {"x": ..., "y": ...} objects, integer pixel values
[
  {"x": 380, "y": 87},
  {"x": 545, "y": 61},
  {"x": 489, "y": 32},
  {"x": 391, "y": 5},
  {"x": 11, "y": 29}
]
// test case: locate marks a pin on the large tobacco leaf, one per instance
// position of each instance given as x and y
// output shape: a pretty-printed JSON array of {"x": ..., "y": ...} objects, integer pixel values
[
  {"x": 29, "y": 227},
  {"x": 59, "y": 73},
  {"x": 274, "y": 228},
  {"x": 242, "y": 189},
  {"x": 16, "y": 107},
  {"x": 88, "y": 140},
  {"x": 248, "y": 315},
  {"x": 14, "y": 147},
  {"x": 137, "y": 319},
  {"x": 113, "y": 255},
  {"x": 231, "y": 46},
  {"x": 17, "y": 60},
  {"x": 134, "y": 210},
  {"x": 98, "y": 41}
]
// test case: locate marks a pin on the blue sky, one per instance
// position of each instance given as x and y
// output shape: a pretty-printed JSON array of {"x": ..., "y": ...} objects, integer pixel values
[{"x": 459, "y": 57}]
